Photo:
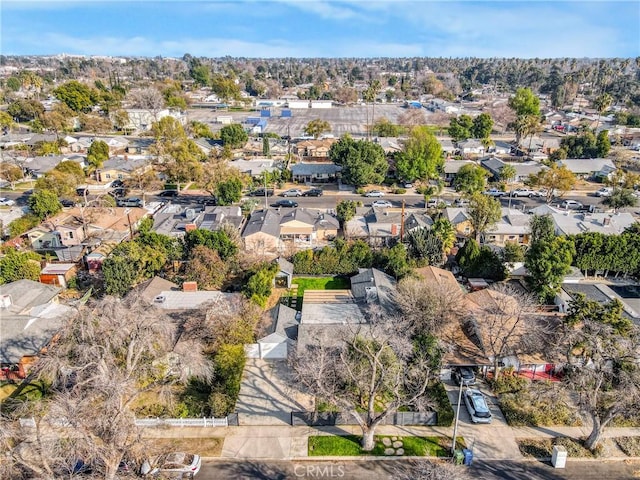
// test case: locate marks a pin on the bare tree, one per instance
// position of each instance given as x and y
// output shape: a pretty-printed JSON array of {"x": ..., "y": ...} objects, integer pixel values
[
  {"x": 369, "y": 372},
  {"x": 149, "y": 99},
  {"x": 428, "y": 306},
  {"x": 504, "y": 321},
  {"x": 412, "y": 118},
  {"x": 109, "y": 354},
  {"x": 601, "y": 350}
]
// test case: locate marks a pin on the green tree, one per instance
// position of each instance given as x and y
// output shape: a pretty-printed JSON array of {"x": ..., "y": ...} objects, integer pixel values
[
  {"x": 201, "y": 130},
  {"x": 206, "y": 267},
  {"x": 266, "y": 147},
  {"x": 425, "y": 246},
  {"x": 77, "y": 96},
  {"x": 443, "y": 228},
  {"x": 345, "y": 211},
  {"x": 13, "y": 84},
  {"x": 525, "y": 102},
  {"x": 362, "y": 162},
  {"x": 200, "y": 74},
  {"x": 11, "y": 173},
  {"x": 547, "y": 262},
  {"x": 259, "y": 286},
  {"x": 603, "y": 144},
  {"x": 229, "y": 191},
  {"x": 22, "y": 224},
  {"x": 16, "y": 265},
  {"x": 621, "y": 198},
  {"x": 97, "y": 153},
  {"x": 484, "y": 211},
  {"x": 470, "y": 179},
  {"x": 384, "y": 128},
  {"x": 541, "y": 228},
  {"x": 512, "y": 253},
  {"x": 602, "y": 104},
  {"x": 317, "y": 127},
  {"x": 508, "y": 173},
  {"x": 483, "y": 262},
  {"x": 395, "y": 261},
  {"x": 44, "y": 204},
  {"x": 556, "y": 180},
  {"x": 233, "y": 135},
  {"x": 421, "y": 157},
  {"x": 460, "y": 128},
  {"x": 24, "y": 110},
  {"x": 482, "y": 126},
  {"x": 6, "y": 121},
  {"x": 218, "y": 240}
]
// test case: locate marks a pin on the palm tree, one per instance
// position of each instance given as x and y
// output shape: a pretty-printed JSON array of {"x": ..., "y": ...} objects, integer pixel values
[{"x": 602, "y": 104}]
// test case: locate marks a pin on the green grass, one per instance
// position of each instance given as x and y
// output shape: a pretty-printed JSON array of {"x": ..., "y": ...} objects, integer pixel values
[
  {"x": 349, "y": 445},
  {"x": 320, "y": 283}
]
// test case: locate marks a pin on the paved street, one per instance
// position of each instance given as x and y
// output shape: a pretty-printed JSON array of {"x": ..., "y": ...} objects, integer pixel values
[{"x": 387, "y": 470}]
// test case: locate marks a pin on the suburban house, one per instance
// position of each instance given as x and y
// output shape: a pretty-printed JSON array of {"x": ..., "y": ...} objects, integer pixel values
[
  {"x": 500, "y": 148},
  {"x": 304, "y": 227},
  {"x": 38, "y": 166},
  {"x": 513, "y": 226},
  {"x": 571, "y": 223},
  {"x": 602, "y": 293},
  {"x": 174, "y": 219},
  {"x": 523, "y": 169},
  {"x": 208, "y": 145},
  {"x": 589, "y": 167},
  {"x": 377, "y": 226},
  {"x": 371, "y": 285},
  {"x": 116, "y": 144},
  {"x": 448, "y": 148},
  {"x": 451, "y": 168},
  {"x": 77, "y": 225},
  {"x": 141, "y": 119},
  {"x": 255, "y": 168},
  {"x": 314, "y": 149},
  {"x": 460, "y": 221},
  {"x": 315, "y": 172},
  {"x": 471, "y": 147},
  {"x": 261, "y": 234},
  {"x": 122, "y": 167},
  {"x": 30, "y": 317}
]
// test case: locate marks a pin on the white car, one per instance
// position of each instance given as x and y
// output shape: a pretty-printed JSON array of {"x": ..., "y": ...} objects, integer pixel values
[
  {"x": 292, "y": 192},
  {"x": 6, "y": 202},
  {"x": 604, "y": 192},
  {"x": 177, "y": 463},
  {"x": 382, "y": 204},
  {"x": 374, "y": 193},
  {"x": 476, "y": 404},
  {"x": 494, "y": 192},
  {"x": 524, "y": 192},
  {"x": 571, "y": 205}
]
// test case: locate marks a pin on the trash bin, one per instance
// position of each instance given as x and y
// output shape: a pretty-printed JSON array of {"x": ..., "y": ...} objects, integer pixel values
[
  {"x": 468, "y": 456},
  {"x": 559, "y": 456},
  {"x": 458, "y": 457}
]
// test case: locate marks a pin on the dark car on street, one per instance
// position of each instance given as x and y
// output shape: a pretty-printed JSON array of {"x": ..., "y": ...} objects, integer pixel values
[
  {"x": 314, "y": 192},
  {"x": 260, "y": 192},
  {"x": 169, "y": 193},
  {"x": 118, "y": 192},
  {"x": 285, "y": 204}
]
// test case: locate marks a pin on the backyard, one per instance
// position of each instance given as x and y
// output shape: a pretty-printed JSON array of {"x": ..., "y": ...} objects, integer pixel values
[{"x": 300, "y": 284}]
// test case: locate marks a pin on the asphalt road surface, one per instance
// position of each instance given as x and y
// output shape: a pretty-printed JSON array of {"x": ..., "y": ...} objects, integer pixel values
[{"x": 389, "y": 470}]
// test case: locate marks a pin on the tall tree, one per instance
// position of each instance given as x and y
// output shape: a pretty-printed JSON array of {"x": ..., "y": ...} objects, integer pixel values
[
  {"x": 470, "y": 179},
  {"x": 370, "y": 372},
  {"x": 362, "y": 162},
  {"x": 484, "y": 211},
  {"x": 556, "y": 180},
  {"x": 106, "y": 357},
  {"x": 44, "y": 204},
  {"x": 97, "y": 153},
  {"x": 425, "y": 246},
  {"x": 77, "y": 96},
  {"x": 421, "y": 156},
  {"x": 482, "y": 126},
  {"x": 233, "y": 135},
  {"x": 600, "y": 347}
]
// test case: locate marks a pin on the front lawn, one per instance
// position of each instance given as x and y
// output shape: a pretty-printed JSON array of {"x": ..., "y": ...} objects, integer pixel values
[
  {"x": 320, "y": 283},
  {"x": 349, "y": 445}
]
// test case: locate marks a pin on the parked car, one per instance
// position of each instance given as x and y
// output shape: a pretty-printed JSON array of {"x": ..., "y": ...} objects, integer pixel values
[
  {"x": 437, "y": 203},
  {"x": 6, "y": 202},
  {"x": 292, "y": 192},
  {"x": 407, "y": 185},
  {"x": 208, "y": 201},
  {"x": 461, "y": 202},
  {"x": 571, "y": 205},
  {"x": 117, "y": 184},
  {"x": 67, "y": 203},
  {"x": 524, "y": 192},
  {"x": 118, "y": 192},
  {"x": 374, "y": 193},
  {"x": 381, "y": 204},
  {"x": 494, "y": 192},
  {"x": 129, "y": 202},
  {"x": 169, "y": 193},
  {"x": 464, "y": 375},
  {"x": 285, "y": 204},
  {"x": 260, "y": 192},
  {"x": 314, "y": 192},
  {"x": 178, "y": 463},
  {"x": 81, "y": 191},
  {"x": 476, "y": 404},
  {"x": 604, "y": 192}
]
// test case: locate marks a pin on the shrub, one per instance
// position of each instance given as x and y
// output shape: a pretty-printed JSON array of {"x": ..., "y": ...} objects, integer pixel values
[
  {"x": 399, "y": 191},
  {"x": 360, "y": 191},
  {"x": 508, "y": 383},
  {"x": 629, "y": 445},
  {"x": 539, "y": 405},
  {"x": 444, "y": 410}
]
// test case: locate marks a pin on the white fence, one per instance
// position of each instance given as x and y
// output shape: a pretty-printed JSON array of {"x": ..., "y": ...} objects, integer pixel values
[{"x": 150, "y": 422}]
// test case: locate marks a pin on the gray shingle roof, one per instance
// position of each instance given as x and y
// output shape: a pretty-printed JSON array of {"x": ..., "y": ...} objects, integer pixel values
[
  {"x": 265, "y": 221},
  {"x": 301, "y": 169}
]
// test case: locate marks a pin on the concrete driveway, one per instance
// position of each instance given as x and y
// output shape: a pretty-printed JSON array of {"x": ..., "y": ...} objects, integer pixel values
[{"x": 267, "y": 396}]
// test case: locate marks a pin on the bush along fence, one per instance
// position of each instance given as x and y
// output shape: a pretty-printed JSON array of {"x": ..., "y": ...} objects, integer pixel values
[{"x": 320, "y": 419}]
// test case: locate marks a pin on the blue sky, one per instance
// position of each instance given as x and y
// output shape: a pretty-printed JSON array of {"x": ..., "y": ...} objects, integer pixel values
[{"x": 322, "y": 28}]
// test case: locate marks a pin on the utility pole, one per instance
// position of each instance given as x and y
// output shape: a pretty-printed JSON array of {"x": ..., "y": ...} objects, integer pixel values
[
  {"x": 402, "y": 223},
  {"x": 455, "y": 428},
  {"x": 266, "y": 193}
]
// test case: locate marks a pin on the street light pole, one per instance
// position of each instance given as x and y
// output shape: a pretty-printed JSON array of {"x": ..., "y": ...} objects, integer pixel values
[{"x": 455, "y": 428}]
